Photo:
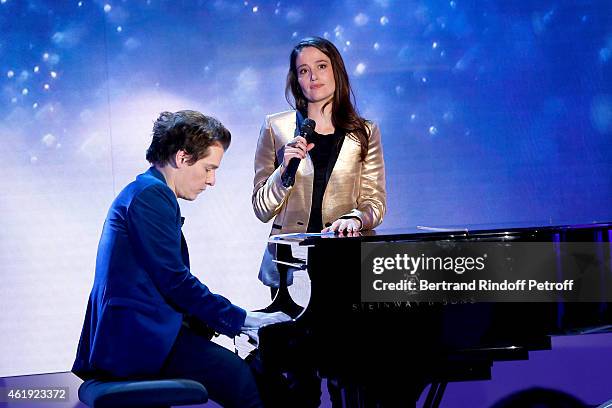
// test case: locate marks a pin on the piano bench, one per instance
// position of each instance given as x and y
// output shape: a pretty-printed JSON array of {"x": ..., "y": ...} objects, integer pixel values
[{"x": 150, "y": 394}]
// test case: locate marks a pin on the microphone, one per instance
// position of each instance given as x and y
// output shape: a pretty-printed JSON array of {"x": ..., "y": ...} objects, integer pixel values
[{"x": 288, "y": 177}]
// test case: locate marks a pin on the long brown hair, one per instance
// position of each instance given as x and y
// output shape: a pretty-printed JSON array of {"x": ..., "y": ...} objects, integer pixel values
[{"x": 344, "y": 114}]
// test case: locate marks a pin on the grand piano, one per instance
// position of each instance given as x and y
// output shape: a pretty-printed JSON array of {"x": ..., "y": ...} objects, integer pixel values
[{"x": 384, "y": 353}]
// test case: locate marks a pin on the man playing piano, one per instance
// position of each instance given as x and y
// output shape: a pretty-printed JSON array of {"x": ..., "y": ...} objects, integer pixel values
[{"x": 147, "y": 315}]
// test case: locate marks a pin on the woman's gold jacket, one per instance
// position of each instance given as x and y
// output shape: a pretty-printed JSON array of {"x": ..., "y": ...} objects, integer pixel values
[{"x": 354, "y": 189}]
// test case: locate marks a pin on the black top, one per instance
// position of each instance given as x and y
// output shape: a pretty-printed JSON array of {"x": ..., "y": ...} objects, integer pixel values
[{"x": 324, "y": 155}]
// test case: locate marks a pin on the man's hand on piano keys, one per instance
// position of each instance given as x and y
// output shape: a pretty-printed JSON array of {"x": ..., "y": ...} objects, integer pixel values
[
  {"x": 252, "y": 335},
  {"x": 255, "y": 320}
]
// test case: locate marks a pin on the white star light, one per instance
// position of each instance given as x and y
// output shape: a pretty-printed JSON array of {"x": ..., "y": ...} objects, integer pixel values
[
  {"x": 53, "y": 74},
  {"x": 360, "y": 69},
  {"x": 339, "y": 30},
  {"x": 48, "y": 140},
  {"x": 361, "y": 19},
  {"x": 36, "y": 68},
  {"x": 46, "y": 86},
  {"x": 10, "y": 73},
  {"x": 107, "y": 8},
  {"x": 384, "y": 21}
]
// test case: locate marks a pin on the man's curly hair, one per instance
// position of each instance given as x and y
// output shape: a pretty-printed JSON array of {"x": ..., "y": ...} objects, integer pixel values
[{"x": 186, "y": 130}]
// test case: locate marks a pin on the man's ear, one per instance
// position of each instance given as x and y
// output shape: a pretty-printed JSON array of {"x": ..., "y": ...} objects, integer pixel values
[{"x": 181, "y": 159}]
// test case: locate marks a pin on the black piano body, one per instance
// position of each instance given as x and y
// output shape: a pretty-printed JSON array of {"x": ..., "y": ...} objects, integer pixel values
[{"x": 387, "y": 345}]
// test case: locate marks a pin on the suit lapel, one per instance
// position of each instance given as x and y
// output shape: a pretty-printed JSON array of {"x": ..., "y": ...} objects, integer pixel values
[{"x": 333, "y": 157}]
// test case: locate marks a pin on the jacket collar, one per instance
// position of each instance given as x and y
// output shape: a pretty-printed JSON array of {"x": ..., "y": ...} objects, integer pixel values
[{"x": 157, "y": 174}]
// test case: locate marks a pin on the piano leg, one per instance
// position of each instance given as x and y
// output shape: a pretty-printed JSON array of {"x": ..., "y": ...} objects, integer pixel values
[{"x": 281, "y": 299}]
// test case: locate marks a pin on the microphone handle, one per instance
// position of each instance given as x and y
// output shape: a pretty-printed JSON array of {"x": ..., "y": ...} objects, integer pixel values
[{"x": 288, "y": 177}]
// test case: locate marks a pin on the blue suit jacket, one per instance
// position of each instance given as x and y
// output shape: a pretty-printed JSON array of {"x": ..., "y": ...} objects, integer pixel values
[{"x": 143, "y": 286}]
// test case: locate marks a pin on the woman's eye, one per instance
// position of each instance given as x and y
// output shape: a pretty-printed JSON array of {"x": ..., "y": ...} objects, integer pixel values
[
  {"x": 302, "y": 71},
  {"x": 322, "y": 66}
]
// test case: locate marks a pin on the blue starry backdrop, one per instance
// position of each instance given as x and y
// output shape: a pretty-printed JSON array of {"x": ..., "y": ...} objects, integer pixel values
[{"x": 491, "y": 112}]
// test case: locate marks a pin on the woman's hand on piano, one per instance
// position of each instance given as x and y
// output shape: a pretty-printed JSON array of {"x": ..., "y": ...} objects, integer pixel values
[
  {"x": 345, "y": 226},
  {"x": 255, "y": 320}
]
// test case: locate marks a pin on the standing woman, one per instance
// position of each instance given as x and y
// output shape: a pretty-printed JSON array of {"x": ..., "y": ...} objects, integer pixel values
[{"x": 340, "y": 183}]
